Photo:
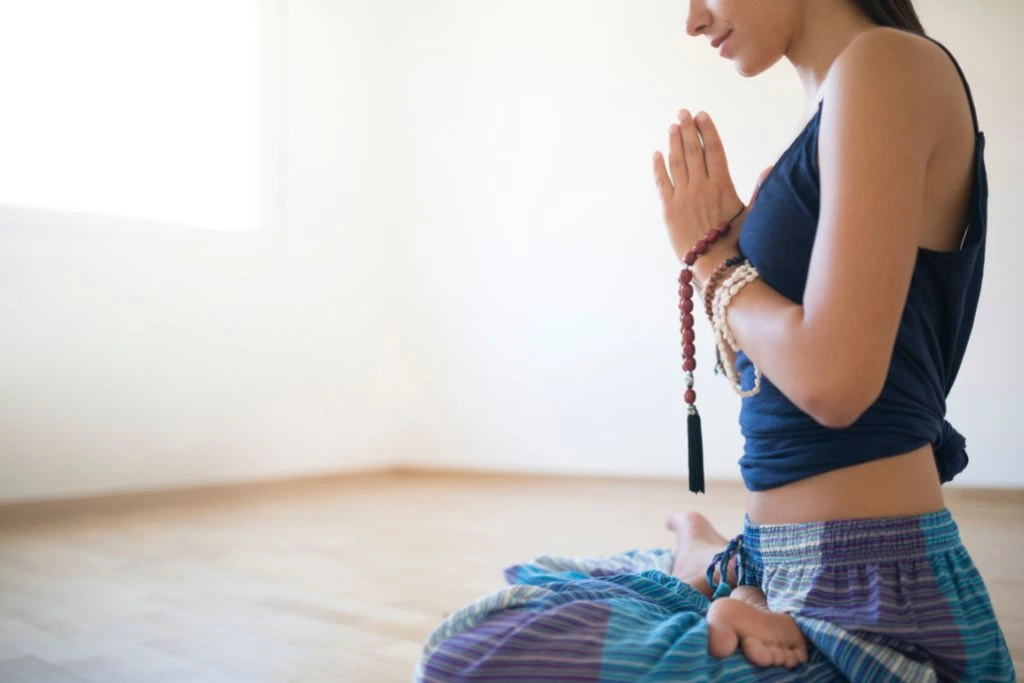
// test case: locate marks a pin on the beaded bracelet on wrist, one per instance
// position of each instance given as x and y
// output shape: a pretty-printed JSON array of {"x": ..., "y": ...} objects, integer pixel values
[
  {"x": 712, "y": 283},
  {"x": 709, "y": 293},
  {"x": 742, "y": 276}
]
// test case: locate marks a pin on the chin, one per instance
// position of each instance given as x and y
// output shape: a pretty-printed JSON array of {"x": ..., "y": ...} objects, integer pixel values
[
  {"x": 749, "y": 68},
  {"x": 743, "y": 68}
]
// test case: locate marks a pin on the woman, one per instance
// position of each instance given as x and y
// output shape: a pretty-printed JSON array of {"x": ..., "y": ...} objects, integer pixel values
[{"x": 857, "y": 274}]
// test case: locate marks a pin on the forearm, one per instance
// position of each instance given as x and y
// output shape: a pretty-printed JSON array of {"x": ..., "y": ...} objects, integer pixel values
[{"x": 774, "y": 332}]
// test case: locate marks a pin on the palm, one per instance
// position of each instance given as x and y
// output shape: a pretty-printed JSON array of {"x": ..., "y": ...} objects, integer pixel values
[{"x": 696, "y": 187}]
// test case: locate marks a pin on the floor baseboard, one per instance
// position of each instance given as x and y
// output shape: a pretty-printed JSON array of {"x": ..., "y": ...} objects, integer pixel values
[{"x": 40, "y": 510}]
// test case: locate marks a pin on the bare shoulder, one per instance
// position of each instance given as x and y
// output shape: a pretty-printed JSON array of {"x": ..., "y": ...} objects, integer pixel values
[
  {"x": 897, "y": 83},
  {"x": 896, "y": 69}
]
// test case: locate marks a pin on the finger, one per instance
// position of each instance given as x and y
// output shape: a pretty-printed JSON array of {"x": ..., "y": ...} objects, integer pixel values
[
  {"x": 693, "y": 152},
  {"x": 714, "y": 151},
  {"x": 661, "y": 179},
  {"x": 676, "y": 165}
]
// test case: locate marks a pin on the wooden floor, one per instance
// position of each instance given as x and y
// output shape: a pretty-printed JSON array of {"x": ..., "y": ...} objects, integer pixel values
[{"x": 338, "y": 580}]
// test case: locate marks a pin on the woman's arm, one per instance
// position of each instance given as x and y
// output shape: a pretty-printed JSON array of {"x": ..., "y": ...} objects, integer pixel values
[{"x": 878, "y": 129}]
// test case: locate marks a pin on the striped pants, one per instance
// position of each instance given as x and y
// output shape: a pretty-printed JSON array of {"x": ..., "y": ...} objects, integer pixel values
[{"x": 889, "y": 599}]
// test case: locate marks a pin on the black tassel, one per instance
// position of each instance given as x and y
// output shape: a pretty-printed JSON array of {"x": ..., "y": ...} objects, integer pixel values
[{"x": 696, "y": 453}]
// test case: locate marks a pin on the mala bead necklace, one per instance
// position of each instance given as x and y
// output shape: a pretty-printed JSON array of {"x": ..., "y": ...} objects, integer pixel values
[{"x": 693, "y": 429}]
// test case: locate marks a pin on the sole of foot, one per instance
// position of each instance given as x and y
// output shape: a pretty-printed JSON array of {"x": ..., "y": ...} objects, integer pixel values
[{"x": 766, "y": 638}]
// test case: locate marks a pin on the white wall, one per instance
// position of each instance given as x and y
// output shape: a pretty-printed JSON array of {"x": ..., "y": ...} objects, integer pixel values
[
  {"x": 472, "y": 270},
  {"x": 137, "y": 362}
]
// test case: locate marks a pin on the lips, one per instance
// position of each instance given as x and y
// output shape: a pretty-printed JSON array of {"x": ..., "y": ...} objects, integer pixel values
[{"x": 718, "y": 41}]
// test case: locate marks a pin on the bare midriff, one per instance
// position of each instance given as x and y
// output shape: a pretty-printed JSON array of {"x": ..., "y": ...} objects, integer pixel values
[{"x": 895, "y": 486}]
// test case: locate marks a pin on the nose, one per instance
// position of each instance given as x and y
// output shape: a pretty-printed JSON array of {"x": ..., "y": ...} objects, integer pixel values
[{"x": 698, "y": 19}]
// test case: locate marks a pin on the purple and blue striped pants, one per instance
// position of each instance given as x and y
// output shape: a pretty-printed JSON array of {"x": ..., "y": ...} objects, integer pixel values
[{"x": 890, "y": 599}]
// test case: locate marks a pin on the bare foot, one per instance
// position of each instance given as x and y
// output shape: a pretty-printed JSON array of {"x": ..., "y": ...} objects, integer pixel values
[
  {"x": 697, "y": 544},
  {"x": 767, "y": 638}
]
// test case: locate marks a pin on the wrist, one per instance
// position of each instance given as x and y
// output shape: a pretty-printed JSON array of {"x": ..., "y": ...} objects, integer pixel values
[
  {"x": 717, "y": 254},
  {"x": 717, "y": 249}
]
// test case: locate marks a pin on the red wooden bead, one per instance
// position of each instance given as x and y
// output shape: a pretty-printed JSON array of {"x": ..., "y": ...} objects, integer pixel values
[
  {"x": 690, "y": 364},
  {"x": 726, "y": 227},
  {"x": 690, "y": 396},
  {"x": 686, "y": 291},
  {"x": 687, "y": 305},
  {"x": 688, "y": 320},
  {"x": 690, "y": 258},
  {"x": 715, "y": 235},
  {"x": 688, "y": 350},
  {"x": 701, "y": 247},
  {"x": 685, "y": 277},
  {"x": 688, "y": 335}
]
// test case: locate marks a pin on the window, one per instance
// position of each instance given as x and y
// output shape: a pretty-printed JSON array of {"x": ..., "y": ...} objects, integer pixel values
[{"x": 150, "y": 110}]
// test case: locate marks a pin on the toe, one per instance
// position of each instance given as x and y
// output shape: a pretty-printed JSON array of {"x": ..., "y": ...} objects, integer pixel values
[{"x": 758, "y": 653}]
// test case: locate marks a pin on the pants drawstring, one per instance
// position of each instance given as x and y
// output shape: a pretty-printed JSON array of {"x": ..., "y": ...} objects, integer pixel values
[{"x": 722, "y": 559}]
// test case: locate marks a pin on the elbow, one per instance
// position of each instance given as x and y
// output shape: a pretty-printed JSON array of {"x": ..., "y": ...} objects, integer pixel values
[
  {"x": 840, "y": 400},
  {"x": 836, "y": 414}
]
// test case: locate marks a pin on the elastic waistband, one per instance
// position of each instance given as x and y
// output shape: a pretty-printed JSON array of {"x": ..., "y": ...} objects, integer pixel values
[{"x": 855, "y": 541}]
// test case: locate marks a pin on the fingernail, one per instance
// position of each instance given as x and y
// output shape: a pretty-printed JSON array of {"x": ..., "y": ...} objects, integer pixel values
[
  {"x": 702, "y": 117},
  {"x": 684, "y": 115}
]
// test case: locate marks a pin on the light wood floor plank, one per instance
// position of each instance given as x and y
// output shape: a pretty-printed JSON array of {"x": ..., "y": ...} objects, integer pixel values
[{"x": 339, "y": 579}]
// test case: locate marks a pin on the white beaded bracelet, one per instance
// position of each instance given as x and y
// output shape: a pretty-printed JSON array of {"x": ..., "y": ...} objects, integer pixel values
[
  {"x": 716, "y": 325},
  {"x": 744, "y": 275},
  {"x": 725, "y": 293},
  {"x": 738, "y": 279},
  {"x": 720, "y": 332}
]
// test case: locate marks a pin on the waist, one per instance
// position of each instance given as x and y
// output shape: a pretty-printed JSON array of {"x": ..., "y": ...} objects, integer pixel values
[
  {"x": 854, "y": 541},
  {"x": 896, "y": 486}
]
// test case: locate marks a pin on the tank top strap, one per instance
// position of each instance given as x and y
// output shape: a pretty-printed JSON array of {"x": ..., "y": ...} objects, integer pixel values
[{"x": 967, "y": 87}]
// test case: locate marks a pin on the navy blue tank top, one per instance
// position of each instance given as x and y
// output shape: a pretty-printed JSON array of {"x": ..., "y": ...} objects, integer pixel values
[{"x": 783, "y": 444}]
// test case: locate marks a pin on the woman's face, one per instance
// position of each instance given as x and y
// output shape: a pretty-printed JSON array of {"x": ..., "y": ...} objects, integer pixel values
[{"x": 756, "y": 32}]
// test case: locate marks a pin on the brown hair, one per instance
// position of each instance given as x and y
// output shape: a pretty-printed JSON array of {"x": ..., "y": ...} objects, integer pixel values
[{"x": 895, "y": 13}]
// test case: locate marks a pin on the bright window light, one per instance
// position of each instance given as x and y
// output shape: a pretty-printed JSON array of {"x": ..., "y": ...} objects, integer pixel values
[{"x": 145, "y": 109}]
